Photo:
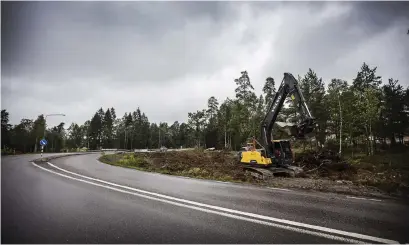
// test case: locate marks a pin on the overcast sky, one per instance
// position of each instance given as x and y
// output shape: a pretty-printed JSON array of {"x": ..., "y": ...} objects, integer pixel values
[{"x": 168, "y": 58}]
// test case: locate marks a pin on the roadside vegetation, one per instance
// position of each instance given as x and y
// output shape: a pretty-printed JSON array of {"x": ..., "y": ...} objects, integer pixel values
[
  {"x": 373, "y": 112},
  {"x": 369, "y": 115},
  {"x": 197, "y": 164},
  {"x": 363, "y": 175}
]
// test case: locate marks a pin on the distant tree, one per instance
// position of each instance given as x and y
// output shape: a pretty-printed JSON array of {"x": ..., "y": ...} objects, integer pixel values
[
  {"x": 369, "y": 111},
  {"x": 108, "y": 129},
  {"x": 313, "y": 90},
  {"x": 366, "y": 78},
  {"x": 394, "y": 117},
  {"x": 336, "y": 104},
  {"x": 38, "y": 131},
  {"x": 5, "y": 129},
  {"x": 269, "y": 91},
  {"x": 75, "y": 136}
]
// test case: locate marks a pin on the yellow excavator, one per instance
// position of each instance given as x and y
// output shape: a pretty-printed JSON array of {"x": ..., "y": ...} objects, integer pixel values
[{"x": 275, "y": 156}]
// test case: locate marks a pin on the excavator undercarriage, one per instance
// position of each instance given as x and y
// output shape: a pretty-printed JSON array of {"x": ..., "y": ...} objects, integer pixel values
[
  {"x": 268, "y": 173},
  {"x": 253, "y": 160}
]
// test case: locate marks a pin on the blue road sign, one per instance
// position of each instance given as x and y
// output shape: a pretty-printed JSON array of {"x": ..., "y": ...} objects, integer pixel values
[{"x": 43, "y": 142}]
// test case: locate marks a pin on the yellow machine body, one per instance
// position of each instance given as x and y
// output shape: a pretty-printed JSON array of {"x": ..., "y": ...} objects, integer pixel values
[{"x": 254, "y": 157}]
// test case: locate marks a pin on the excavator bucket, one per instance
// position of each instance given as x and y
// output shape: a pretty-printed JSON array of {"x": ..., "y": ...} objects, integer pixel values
[
  {"x": 301, "y": 131},
  {"x": 286, "y": 127}
]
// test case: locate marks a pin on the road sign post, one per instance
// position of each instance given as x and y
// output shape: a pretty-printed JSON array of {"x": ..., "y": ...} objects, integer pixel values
[{"x": 43, "y": 142}]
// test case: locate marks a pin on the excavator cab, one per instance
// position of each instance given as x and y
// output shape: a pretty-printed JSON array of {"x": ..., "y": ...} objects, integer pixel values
[{"x": 283, "y": 152}]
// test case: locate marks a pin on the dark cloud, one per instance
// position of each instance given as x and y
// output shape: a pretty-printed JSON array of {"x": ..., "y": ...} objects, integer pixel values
[
  {"x": 75, "y": 57},
  {"x": 107, "y": 35},
  {"x": 380, "y": 15}
]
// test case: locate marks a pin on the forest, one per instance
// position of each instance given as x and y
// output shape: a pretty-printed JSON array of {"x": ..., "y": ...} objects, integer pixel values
[{"x": 367, "y": 114}]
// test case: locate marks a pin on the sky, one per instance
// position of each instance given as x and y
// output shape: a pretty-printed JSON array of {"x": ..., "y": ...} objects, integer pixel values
[{"x": 168, "y": 58}]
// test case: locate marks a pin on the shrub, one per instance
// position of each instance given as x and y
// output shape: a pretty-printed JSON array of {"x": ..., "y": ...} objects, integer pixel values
[
  {"x": 132, "y": 160},
  {"x": 7, "y": 151}
]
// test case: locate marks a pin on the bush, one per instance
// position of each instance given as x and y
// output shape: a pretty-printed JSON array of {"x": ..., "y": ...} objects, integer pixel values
[
  {"x": 133, "y": 161},
  {"x": 7, "y": 151},
  {"x": 332, "y": 144}
]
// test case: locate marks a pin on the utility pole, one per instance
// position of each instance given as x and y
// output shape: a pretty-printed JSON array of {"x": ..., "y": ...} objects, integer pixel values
[{"x": 340, "y": 128}]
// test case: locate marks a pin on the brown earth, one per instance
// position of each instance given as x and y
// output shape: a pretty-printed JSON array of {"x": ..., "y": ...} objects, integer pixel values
[
  {"x": 215, "y": 165},
  {"x": 324, "y": 171}
]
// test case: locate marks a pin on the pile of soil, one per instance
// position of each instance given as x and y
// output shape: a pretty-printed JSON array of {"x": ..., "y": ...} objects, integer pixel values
[
  {"x": 224, "y": 164},
  {"x": 325, "y": 163},
  {"x": 217, "y": 164}
]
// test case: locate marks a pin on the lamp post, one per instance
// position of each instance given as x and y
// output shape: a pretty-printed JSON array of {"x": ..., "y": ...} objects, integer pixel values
[{"x": 45, "y": 118}]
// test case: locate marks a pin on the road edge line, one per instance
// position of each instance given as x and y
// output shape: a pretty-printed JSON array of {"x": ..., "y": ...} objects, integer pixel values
[
  {"x": 280, "y": 189},
  {"x": 363, "y": 198},
  {"x": 286, "y": 227},
  {"x": 283, "y": 221}
]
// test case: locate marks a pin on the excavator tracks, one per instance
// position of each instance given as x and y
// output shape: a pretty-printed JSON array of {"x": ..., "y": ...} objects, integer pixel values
[
  {"x": 259, "y": 173},
  {"x": 265, "y": 174}
]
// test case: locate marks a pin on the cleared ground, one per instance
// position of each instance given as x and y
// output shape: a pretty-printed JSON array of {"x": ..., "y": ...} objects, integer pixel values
[{"x": 370, "y": 176}]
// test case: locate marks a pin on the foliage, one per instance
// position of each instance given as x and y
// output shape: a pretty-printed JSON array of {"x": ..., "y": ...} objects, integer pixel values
[
  {"x": 371, "y": 113},
  {"x": 133, "y": 161}
]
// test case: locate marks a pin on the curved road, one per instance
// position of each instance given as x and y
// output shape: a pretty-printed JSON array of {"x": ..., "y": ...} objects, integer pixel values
[{"x": 77, "y": 199}]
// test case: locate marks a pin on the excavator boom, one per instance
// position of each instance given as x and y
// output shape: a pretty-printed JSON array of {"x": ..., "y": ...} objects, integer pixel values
[{"x": 288, "y": 86}]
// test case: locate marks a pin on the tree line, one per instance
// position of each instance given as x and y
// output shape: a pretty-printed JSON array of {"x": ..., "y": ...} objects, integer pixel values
[{"x": 362, "y": 113}]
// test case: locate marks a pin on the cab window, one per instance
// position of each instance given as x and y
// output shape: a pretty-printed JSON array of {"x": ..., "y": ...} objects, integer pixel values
[{"x": 286, "y": 147}]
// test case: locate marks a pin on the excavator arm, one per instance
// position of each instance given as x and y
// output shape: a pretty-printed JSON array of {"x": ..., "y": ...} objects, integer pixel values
[{"x": 289, "y": 86}]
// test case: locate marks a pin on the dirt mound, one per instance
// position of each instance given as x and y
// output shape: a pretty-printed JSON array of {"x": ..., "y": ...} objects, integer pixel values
[
  {"x": 323, "y": 170},
  {"x": 325, "y": 163},
  {"x": 220, "y": 165}
]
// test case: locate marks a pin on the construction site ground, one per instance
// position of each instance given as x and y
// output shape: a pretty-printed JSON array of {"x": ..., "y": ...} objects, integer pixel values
[{"x": 380, "y": 176}]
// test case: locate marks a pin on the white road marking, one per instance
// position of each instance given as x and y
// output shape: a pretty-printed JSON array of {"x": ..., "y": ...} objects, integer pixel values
[
  {"x": 273, "y": 188},
  {"x": 362, "y": 198},
  {"x": 329, "y": 236},
  {"x": 252, "y": 215},
  {"x": 224, "y": 182}
]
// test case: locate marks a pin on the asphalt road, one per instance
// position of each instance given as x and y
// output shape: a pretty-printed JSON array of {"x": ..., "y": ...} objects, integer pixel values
[{"x": 80, "y": 200}]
